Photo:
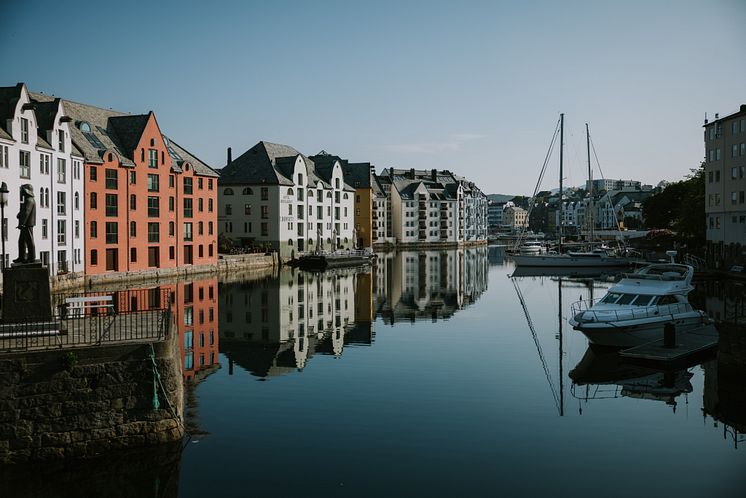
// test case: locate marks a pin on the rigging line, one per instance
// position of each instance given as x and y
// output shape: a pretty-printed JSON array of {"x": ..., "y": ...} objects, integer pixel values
[
  {"x": 522, "y": 234},
  {"x": 555, "y": 396},
  {"x": 608, "y": 197}
]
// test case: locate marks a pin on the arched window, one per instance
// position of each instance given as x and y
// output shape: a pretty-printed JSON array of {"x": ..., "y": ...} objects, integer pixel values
[
  {"x": 290, "y": 242},
  {"x": 328, "y": 195},
  {"x": 142, "y": 155},
  {"x": 345, "y": 196},
  {"x": 310, "y": 193},
  {"x": 228, "y": 191},
  {"x": 290, "y": 191},
  {"x": 77, "y": 200},
  {"x": 345, "y": 240},
  {"x": 111, "y": 157},
  {"x": 152, "y": 142},
  {"x": 247, "y": 191},
  {"x": 336, "y": 183},
  {"x": 85, "y": 127}
]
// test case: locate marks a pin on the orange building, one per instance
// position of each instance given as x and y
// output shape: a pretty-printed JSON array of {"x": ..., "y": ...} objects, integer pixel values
[{"x": 149, "y": 203}]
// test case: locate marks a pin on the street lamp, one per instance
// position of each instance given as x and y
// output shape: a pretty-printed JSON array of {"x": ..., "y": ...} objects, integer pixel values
[{"x": 3, "y": 201}]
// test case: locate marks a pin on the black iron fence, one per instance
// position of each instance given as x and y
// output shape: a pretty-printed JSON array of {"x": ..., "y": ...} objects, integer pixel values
[{"x": 93, "y": 318}]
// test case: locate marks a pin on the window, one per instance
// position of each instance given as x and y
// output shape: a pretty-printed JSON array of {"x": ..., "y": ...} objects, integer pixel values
[
  {"x": 24, "y": 130},
  {"x": 734, "y": 150},
  {"x": 247, "y": 191},
  {"x": 187, "y": 207},
  {"x": 93, "y": 173},
  {"x": 44, "y": 228},
  {"x": 111, "y": 204},
  {"x": 265, "y": 212},
  {"x": 265, "y": 229},
  {"x": 112, "y": 232},
  {"x": 171, "y": 181},
  {"x": 209, "y": 228},
  {"x": 61, "y": 140},
  {"x": 133, "y": 254},
  {"x": 200, "y": 204},
  {"x": 153, "y": 183},
  {"x": 290, "y": 209},
  {"x": 153, "y": 232},
  {"x": 188, "y": 186},
  {"x": 111, "y": 178},
  {"x": 152, "y": 158},
  {"x": 4, "y": 162},
  {"x": 154, "y": 208},
  {"x": 24, "y": 161},
  {"x": 228, "y": 209},
  {"x": 61, "y": 208},
  {"x": 93, "y": 229},
  {"x": 227, "y": 191},
  {"x": 133, "y": 229},
  {"x": 93, "y": 200},
  {"x": 209, "y": 205},
  {"x": 187, "y": 232},
  {"x": 171, "y": 204},
  {"x": 133, "y": 177},
  {"x": 199, "y": 183},
  {"x": 247, "y": 209},
  {"x": 200, "y": 228},
  {"x": 265, "y": 193},
  {"x": 94, "y": 257},
  {"x": 44, "y": 164},
  {"x": 734, "y": 197},
  {"x": 209, "y": 184}
]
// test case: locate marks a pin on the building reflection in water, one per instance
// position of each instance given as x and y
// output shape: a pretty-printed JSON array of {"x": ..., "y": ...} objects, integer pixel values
[
  {"x": 276, "y": 325},
  {"x": 428, "y": 284}
]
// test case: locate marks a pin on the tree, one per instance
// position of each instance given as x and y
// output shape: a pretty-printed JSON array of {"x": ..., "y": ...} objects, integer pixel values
[{"x": 681, "y": 208}]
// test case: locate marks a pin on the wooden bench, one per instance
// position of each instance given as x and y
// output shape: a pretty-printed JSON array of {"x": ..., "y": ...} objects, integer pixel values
[{"x": 80, "y": 307}]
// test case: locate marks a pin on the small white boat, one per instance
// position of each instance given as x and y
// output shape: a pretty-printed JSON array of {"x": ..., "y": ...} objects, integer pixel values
[
  {"x": 533, "y": 247},
  {"x": 635, "y": 310},
  {"x": 576, "y": 260}
]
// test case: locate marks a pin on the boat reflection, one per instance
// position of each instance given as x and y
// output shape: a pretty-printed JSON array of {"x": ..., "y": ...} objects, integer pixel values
[{"x": 603, "y": 373}]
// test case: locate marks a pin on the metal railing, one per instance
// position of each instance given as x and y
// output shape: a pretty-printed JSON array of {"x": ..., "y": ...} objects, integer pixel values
[
  {"x": 118, "y": 317},
  {"x": 623, "y": 314}
]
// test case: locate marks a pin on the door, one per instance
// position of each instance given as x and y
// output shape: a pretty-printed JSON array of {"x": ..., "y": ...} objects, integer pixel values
[
  {"x": 188, "y": 255},
  {"x": 112, "y": 260}
]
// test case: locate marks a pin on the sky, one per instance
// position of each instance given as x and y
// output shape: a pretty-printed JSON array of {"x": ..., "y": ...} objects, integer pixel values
[{"x": 475, "y": 87}]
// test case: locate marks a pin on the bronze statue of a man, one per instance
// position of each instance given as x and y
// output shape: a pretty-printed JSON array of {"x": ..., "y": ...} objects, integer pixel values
[{"x": 26, "y": 222}]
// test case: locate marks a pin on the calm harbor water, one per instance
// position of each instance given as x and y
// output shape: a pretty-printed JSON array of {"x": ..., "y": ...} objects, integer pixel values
[{"x": 430, "y": 377}]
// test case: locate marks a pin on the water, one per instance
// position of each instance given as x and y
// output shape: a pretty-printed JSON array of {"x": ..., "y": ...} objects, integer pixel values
[{"x": 428, "y": 381}]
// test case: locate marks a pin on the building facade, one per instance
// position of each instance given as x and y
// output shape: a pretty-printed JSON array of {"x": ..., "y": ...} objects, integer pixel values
[
  {"x": 725, "y": 167},
  {"x": 36, "y": 148},
  {"x": 149, "y": 203},
  {"x": 275, "y": 196}
]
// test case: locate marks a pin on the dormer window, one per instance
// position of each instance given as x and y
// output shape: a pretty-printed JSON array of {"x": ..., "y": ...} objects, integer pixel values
[{"x": 85, "y": 127}]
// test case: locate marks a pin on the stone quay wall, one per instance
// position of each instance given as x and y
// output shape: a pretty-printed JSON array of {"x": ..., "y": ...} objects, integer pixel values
[
  {"x": 224, "y": 264},
  {"x": 68, "y": 404}
]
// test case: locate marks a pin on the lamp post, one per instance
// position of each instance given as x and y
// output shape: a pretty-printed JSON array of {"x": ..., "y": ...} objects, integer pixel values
[{"x": 3, "y": 201}]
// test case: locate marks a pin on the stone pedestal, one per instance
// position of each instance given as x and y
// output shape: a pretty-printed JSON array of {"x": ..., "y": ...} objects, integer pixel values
[{"x": 26, "y": 293}]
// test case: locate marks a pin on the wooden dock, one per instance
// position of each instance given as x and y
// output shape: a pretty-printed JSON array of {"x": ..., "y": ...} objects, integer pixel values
[{"x": 688, "y": 343}]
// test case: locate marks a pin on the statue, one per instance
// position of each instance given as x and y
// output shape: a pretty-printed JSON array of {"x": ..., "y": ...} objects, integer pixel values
[{"x": 26, "y": 222}]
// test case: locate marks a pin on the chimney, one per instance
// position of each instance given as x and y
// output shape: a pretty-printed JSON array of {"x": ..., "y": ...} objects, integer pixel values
[
  {"x": 717, "y": 116},
  {"x": 434, "y": 175},
  {"x": 230, "y": 156},
  {"x": 411, "y": 173}
]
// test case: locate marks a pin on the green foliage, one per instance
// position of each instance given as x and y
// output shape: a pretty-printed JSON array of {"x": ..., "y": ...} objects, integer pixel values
[{"x": 680, "y": 207}]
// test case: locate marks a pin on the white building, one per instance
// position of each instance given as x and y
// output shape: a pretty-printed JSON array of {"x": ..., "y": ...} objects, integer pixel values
[
  {"x": 272, "y": 194},
  {"x": 36, "y": 149}
]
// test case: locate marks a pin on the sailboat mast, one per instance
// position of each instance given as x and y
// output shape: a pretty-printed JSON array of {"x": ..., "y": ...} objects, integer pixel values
[
  {"x": 591, "y": 223},
  {"x": 561, "y": 173}
]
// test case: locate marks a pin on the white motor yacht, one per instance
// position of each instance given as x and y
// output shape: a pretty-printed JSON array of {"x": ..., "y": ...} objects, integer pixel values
[{"x": 635, "y": 310}]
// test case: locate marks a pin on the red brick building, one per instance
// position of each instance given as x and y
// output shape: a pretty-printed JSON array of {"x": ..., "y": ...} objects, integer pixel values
[{"x": 149, "y": 203}]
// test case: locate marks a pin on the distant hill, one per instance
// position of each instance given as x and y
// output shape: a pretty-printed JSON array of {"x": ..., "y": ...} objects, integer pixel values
[{"x": 499, "y": 197}]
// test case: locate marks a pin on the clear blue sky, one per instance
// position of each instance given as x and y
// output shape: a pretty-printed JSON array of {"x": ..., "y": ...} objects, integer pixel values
[{"x": 471, "y": 86}]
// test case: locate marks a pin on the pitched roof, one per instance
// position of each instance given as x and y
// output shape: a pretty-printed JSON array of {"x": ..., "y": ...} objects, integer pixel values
[
  {"x": 257, "y": 165},
  {"x": 200, "y": 167},
  {"x": 9, "y": 96},
  {"x": 129, "y": 130}
]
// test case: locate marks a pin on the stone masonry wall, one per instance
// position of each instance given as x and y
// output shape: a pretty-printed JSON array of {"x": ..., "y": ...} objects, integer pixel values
[{"x": 51, "y": 409}]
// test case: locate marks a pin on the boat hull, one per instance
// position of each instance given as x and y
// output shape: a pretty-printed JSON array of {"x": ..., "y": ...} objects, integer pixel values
[
  {"x": 557, "y": 261},
  {"x": 630, "y": 333}
]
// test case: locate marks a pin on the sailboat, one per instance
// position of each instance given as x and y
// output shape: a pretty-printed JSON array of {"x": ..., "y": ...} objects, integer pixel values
[{"x": 593, "y": 258}]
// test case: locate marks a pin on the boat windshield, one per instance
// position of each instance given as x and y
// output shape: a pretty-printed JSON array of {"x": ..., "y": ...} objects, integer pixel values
[
  {"x": 632, "y": 299},
  {"x": 611, "y": 298}
]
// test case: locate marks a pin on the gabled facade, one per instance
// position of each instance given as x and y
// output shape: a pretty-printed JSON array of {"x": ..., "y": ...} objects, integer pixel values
[
  {"x": 149, "y": 203},
  {"x": 36, "y": 148},
  {"x": 275, "y": 196}
]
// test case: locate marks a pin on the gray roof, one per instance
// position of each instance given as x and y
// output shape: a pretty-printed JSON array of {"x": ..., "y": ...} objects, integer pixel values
[
  {"x": 258, "y": 166},
  {"x": 115, "y": 131},
  {"x": 9, "y": 96}
]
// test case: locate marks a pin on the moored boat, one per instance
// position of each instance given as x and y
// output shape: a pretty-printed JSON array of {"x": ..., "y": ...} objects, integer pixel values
[{"x": 635, "y": 310}]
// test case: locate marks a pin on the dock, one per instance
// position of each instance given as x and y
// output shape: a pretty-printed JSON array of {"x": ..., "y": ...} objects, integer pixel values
[{"x": 688, "y": 343}]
